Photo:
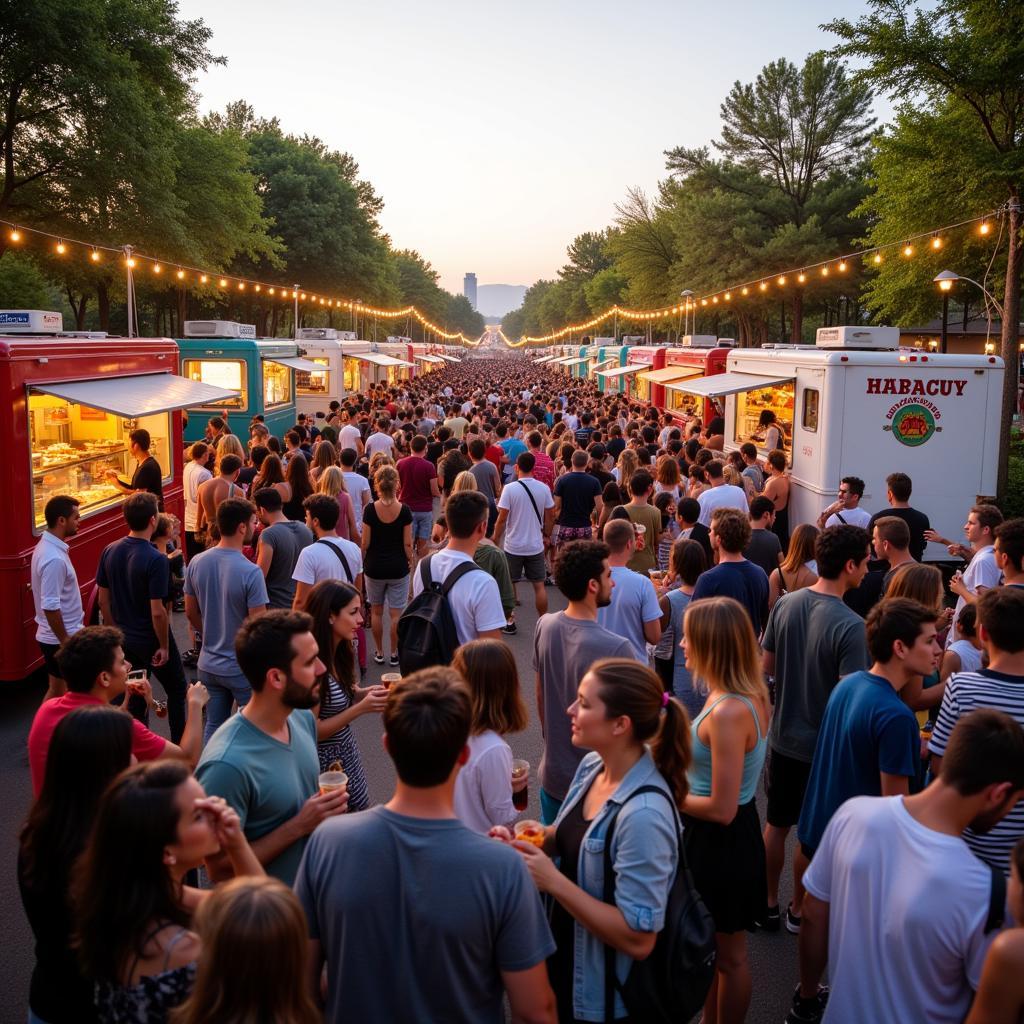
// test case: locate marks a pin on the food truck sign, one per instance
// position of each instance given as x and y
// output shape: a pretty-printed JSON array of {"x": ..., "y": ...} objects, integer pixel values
[{"x": 914, "y": 418}]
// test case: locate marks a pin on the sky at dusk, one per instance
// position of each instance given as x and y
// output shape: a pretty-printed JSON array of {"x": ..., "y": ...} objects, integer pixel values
[{"x": 497, "y": 132}]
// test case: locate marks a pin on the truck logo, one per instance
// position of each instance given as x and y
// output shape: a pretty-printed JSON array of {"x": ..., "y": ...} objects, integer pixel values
[
  {"x": 915, "y": 386},
  {"x": 913, "y": 423}
]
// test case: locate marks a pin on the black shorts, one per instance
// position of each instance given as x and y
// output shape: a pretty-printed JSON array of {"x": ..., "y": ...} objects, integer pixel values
[
  {"x": 785, "y": 783},
  {"x": 50, "y": 657}
]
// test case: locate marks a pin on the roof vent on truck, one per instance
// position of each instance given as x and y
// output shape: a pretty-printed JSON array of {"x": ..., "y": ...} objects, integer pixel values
[
  {"x": 316, "y": 334},
  {"x": 30, "y": 321},
  {"x": 218, "y": 329},
  {"x": 866, "y": 338},
  {"x": 699, "y": 341}
]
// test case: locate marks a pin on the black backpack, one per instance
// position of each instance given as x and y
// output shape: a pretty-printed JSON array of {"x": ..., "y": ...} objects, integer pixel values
[
  {"x": 426, "y": 630},
  {"x": 672, "y": 983}
]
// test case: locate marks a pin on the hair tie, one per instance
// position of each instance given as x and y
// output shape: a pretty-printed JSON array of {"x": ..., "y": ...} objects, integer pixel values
[{"x": 665, "y": 698}]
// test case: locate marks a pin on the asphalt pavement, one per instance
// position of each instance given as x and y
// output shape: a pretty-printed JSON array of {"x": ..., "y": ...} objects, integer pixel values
[{"x": 773, "y": 957}]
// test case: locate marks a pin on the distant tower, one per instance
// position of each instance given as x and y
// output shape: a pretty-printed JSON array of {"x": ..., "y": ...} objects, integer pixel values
[{"x": 469, "y": 288}]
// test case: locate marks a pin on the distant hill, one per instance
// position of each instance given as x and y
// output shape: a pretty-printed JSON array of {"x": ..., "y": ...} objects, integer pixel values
[{"x": 495, "y": 300}]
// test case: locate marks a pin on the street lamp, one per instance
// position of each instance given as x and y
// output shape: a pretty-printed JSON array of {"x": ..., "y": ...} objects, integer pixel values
[{"x": 945, "y": 279}]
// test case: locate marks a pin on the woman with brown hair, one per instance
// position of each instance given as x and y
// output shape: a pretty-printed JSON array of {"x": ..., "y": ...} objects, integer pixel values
[
  {"x": 724, "y": 846},
  {"x": 300, "y": 487},
  {"x": 483, "y": 789},
  {"x": 796, "y": 570},
  {"x": 324, "y": 456},
  {"x": 639, "y": 736},
  {"x": 626, "y": 466},
  {"x": 922, "y": 583},
  {"x": 254, "y": 964},
  {"x": 668, "y": 478},
  {"x": 271, "y": 474}
]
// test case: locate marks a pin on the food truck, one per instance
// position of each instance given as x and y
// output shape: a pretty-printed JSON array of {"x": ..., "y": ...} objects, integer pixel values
[
  {"x": 606, "y": 354},
  {"x": 627, "y": 377},
  {"x": 428, "y": 358},
  {"x": 260, "y": 371},
  {"x": 384, "y": 363},
  {"x": 856, "y": 404},
  {"x": 573, "y": 361},
  {"x": 69, "y": 408},
  {"x": 697, "y": 355},
  {"x": 338, "y": 370}
]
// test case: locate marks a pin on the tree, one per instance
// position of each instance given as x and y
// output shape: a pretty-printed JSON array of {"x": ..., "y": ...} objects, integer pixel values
[
  {"x": 643, "y": 246},
  {"x": 588, "y": 255},
  {"x": 964, "y": 58}
]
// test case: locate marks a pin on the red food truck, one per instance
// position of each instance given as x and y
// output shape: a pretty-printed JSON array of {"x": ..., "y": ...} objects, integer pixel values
[
  {"x": 699, "y": 355},
  {"x": 68, "y": 406}
]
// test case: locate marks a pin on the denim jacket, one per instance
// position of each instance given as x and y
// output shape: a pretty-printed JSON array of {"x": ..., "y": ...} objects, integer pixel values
[{"x": 644, "y": 855}]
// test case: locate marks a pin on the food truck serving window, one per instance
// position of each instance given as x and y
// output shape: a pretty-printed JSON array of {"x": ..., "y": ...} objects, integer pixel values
[
  {"x": 316, "y": 382},
  {"x": 73, "y": 448},
  {"x": 277, "y": 384},
  {"x": 350, "y": 374},
  {"x": 809, "y": 418},
  {"x": 222, "y": 373},
  {"x": 751, "y": 404}
]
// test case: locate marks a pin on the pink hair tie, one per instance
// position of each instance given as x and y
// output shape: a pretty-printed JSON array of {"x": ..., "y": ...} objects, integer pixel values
[{"x": 665, "y": 699}]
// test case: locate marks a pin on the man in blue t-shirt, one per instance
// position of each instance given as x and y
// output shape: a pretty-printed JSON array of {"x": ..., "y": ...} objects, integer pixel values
[
  {"x": 734, "y": 576},
  {"x": 512, "y": 447},
  {"x": 868, "y": 742}
]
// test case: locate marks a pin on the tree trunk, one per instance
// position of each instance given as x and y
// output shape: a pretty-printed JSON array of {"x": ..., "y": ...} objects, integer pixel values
[
  {"x": 782, "y": 319},
  {"x": 103, "y": 304},
  {"x": 796, "y": 332},
  {"x": 1010, "y": 347}
]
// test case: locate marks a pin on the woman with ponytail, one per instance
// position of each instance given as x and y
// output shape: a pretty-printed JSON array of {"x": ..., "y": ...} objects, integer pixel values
[
  {"x": 724, "y": 847},
  {"x": 638, "y": 736}
]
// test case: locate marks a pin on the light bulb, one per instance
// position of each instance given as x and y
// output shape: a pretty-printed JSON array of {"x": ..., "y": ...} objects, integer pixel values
[
  {"x": 223, "y": 282},
  {"x": 908, "y": 250},
  {"x": 271, "y": 290},
  {"x": 61, "y": 248},
  {"x": 94, "y": 256},
  {"x": 824, "y": 271},
  {"x": 130, "y": 262},
  {"x": 257, "y": 288},
  {"x": 782, "y": 281},
  {"x": 936, "y": 242},
  {"x": 877, "y": 257},
  {"x": 763, "y": 286},
  {"x": 715, "y": 300},
  {"x": 984, "y": 228},
  {"x": 842, "y": 266},
  {"x": 15, "y": 235},
  {"x": 728, "y": 296},
  {"x": 157, "y": 268},
  {"x": 745, "y": 291},
  {"x": 241, "y": 286},
  {"x": 801, "y": 277},
  {"x": 181, "y": 275},
  {"x": 203, "y": 279}
]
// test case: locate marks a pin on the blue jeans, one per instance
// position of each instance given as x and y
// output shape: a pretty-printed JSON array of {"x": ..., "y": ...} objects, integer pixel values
[
  {"x": 422, "y": 523},
  {"x": 224, "y": 691},
  {"x": 549, "y": 808}
]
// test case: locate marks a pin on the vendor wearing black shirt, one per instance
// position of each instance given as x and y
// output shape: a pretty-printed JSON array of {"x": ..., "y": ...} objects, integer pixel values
[{"x": 148, "y": 475}]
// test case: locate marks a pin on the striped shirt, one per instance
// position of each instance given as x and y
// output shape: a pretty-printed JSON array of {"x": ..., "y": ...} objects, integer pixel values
[{"x": 966, "y": 692}]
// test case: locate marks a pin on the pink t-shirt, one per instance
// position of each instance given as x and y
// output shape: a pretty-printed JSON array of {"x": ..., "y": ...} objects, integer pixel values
[{"x": 344, "y": 504}]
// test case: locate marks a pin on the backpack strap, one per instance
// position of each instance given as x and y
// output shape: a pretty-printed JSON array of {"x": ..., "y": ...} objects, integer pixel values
[
  {"x": 839, "y": 516},
  {"x": 996, "y": 901},
  {"x": 455, "y": 575},
  {"x": 529, "y": 494},
  {"x": 425, "y": 577},
  {"x": 341, "y": 557}
]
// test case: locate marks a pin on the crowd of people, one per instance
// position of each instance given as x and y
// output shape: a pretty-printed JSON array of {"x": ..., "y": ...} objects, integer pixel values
[{"x": 238, "y": 872}]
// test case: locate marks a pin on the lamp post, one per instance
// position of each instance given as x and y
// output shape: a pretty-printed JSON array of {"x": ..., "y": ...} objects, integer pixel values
[
  {"x": 686, "y": 296},
  {"x": 945, "y": 279}
]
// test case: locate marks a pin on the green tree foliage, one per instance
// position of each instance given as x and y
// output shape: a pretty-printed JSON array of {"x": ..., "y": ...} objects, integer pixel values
[{"x": 22, "y": 286}]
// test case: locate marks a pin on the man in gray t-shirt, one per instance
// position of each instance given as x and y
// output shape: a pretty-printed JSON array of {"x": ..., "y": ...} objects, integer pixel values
[{"x": 278, "y": 547}]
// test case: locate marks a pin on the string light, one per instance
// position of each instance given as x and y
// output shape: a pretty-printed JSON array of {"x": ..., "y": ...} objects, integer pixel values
[
  {"x": 241, "y": 286},
  {"x": 763, "y": 286},
  {"x": 824, "y": 271},
  {"x": 936, "y": 242},
  {"x": 61, "y": 248},
  {"x": 15, "y": 235},
  {"x": 908, "y": 250},
  {"x": 203, "y": 278},
  {"x": 223, "y": 282},
  {"x": 842, "y": 266},
  {"x": 95, "y": 255},
  {"x": 157, "y": 269},
  {"x": 877, "y": 258},
  {"x": 984, "y": 227},
  {"x": 130, "y": 262},
  {"x": 801, "y": 277},
  {"x": 782, "y": 281},
  {"x": 181, "y": 275}
]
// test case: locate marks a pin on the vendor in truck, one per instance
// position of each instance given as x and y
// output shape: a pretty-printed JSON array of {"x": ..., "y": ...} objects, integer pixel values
[{"x": 148, "y": 475}]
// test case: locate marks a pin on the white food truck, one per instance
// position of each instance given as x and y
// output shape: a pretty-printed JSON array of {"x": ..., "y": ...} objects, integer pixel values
[
  {"x": 855, "y": 404},
  {"x": 337, "y": 352}
]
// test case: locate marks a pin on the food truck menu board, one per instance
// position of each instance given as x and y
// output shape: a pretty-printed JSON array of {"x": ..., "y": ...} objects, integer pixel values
[
  {"x": 313, "y": 382},
  {"x": 750, "y": 405},
  {"x": 222, "y": 373},
  {"x": 73, "y": 447}
]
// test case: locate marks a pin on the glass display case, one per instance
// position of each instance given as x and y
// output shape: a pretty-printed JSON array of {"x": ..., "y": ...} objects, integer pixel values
[
  {"x": 314, "y": 382},
  {"x": 640, "y": 389},
  {"x": 222, "y": 373},
  {"x": 351, "y": 374},
  {"x": 682, "y": 403},
  {"x": 74, "y": 449},
  {"x": 750, "y": 405},
  {"x": 277, "y": 384}
]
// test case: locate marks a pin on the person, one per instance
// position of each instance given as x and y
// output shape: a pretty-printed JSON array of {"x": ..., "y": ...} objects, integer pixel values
[
  {"x": 483, "y": 788},
  {"x": 489, "y": 933},
  {"x": 763, "y": 548},
  {"x": 512, "y": 447},
  {"x": 1000, "y": 615},
  {"x": 686, "y": 565},
  {"x": 982, "y": 573},
  {"x": 846, "y": 510},
  {"x": 890, "y": 540},
  {"x": 811, "y": 641},
  {"x": 329, "y": 557},
  {"x": 543, "y": 464},
  {"x": 222, "y": 589},
  {"x": 449, "y": 466},
  {"x": 899, "y": 488},
  {"x": 349, "y": 436},
  {"x": 278, "y": 547},
  {"x": 565, "y": 644},
  {"x": 526, "y": 512},
  {"x": 734, "y": 576},
  {"x": 871, "y": 889},
  {"x": 797, "y": 569},
  {"x": 648, "y": 520},
  {"x": 486, "y": 478},
  {"x": 216, "y": 430},
  {"x": 56, "y": 595},
  {"x": 722, "y": 831},
  {"x": 294, "y": 446},
  {"x": 720, "y": 494},
  {"x": 691, "y": 528},
  {"x": 254, "y": 957},
  {"x": 324, "y": 456},
  {"x": 1000, "y": 995},
  {"x": 751, "y": 467},
  {"x": 214, "y": 491},
  {"x": 193, "y": 477},
  {"x": 133, "y": 585},
  {"x": 965, "y": 654},
  {"x": 769, "y": 431},
  {"x": 336, "y": 611},
  {"x": 633, "y": 611},
  {"x": 298, "y": 486},
  {"x": 418, "y": 479},
  {"x": 380, "y": 439},
  {"x": 263, "y": 761},
  {"x": 89, "y": 747},
  {"x": 154, "y": 824},
  {"x": 1009, "y": 551},
  {"x": 637, "y": 737},
  {"x": 93, "y": 664},
  {"x": 356, "y": 484},
  {"x": 868, "y": 743},
  {"x": 148, "y": 475},
  {"x": 332, "y": 483},
  {"x": 577, "y": 497},
  {"x": 387, "y": 554},
  {"x": 475, "y": 599}
]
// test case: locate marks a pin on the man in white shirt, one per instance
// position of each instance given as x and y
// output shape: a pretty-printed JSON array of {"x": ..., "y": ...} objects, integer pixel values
[
  {"x": 329, "y": 557},
  {"x": 894, "y": 951},
  {"x": 846, "y": 510},
  {"x": 720, "y": 494},
  {"x": 526, "y": 510},
  {"x": 380, "y": 440},
  {"x": 475, "y": 600},
  {"x": 356, "y": 484},
  {"x": 55, "y": 591},
  {"x": 194, "y": 475},
  {"x": 349, "y": 436}
]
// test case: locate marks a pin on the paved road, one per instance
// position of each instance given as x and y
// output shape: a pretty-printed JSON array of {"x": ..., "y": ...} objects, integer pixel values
[{"x": 773, "y": 957}]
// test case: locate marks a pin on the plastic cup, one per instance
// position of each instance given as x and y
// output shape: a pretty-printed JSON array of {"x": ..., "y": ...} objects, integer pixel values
[
  {"x": 528, "y": 831},
  {"x": 330, "y": 781},
  {"x": 520, "y": 784},
  {"x": 641, "y": 534},
  {"x": 390, "y": 678}
]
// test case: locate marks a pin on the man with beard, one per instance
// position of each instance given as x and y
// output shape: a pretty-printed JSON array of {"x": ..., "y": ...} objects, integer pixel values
[
  {"x": 222, "y": 589},
  {"x": 263, "y": 761},
  {"x": 565, "y": 645},
  {"x": 897, "y": 906}
]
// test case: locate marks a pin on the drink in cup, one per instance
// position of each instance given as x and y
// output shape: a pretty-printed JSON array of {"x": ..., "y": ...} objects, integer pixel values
[
  {"x": 332, "y": 780},
  {"x": 530, "y": 832},
  {"x": 641, "y": 533},
  {"x": 520, "y": 784},
  {"x": 657, "y": 576},
  {"x": 390, "y": 678}
]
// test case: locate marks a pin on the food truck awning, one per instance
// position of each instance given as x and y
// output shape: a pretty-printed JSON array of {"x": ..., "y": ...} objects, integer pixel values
[
  {"x": 545, "y": 359},
  {"x": 295, "y": 363},
  {"x": 140, "y": 395},
  {"x": 726, "y": 384},
  {"x": 381, "y": 360},
  {"x": 571, "y": 361},
  {"x": 449, "y": 359},
  {"x": 604, "y": 362},
  {"x": 671, "y": 373},
  {"x": 430, "y": 359},
  {"x": 621, "y": 371}
]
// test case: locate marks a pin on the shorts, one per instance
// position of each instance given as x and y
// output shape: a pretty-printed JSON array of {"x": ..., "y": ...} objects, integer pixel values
[
  {"x": 534, "y": 565},
  {"x": 422, "y": 524},
  {"x": 394, "y": 593},
  {"x": 785, "y": 783},
  {"x": 567, "y": 534},
  {"x": 50, "y": 658}
]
